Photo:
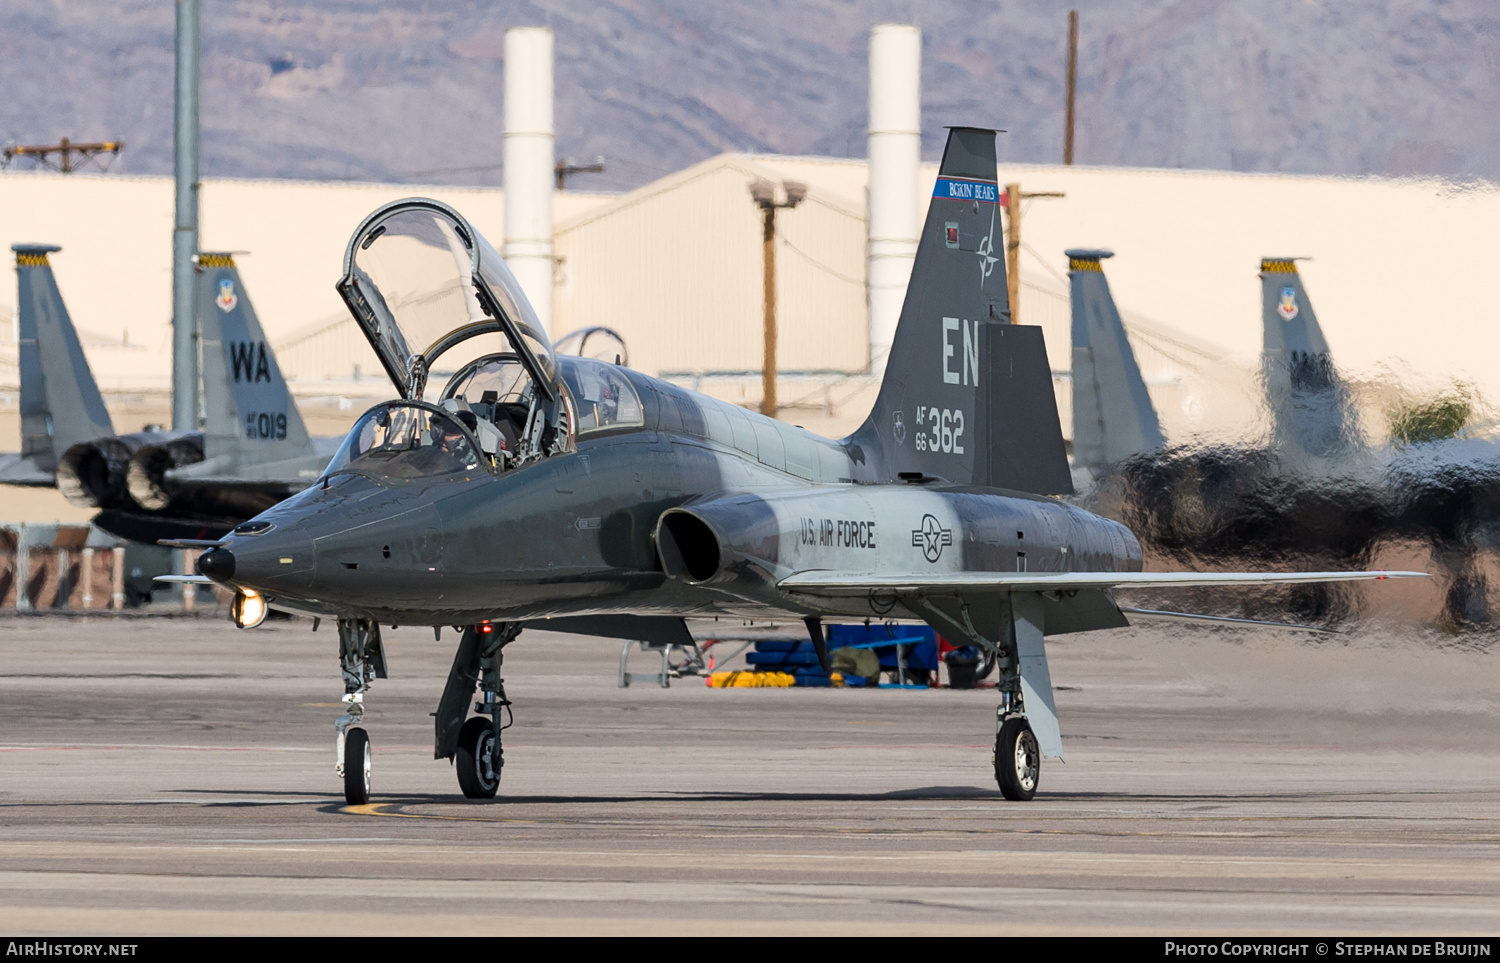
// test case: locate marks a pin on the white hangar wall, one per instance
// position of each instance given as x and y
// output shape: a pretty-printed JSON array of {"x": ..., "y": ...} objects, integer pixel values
[
  {"x": 676, "y": 268},
  {"x": 1400, "y": 276},
  {"x": 115, "y": 269}
]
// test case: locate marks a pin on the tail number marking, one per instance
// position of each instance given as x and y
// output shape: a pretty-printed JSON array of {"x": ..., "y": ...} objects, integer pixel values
[
  {"x": 266, "y": 426},
  {"x": 943, "y": 429}
]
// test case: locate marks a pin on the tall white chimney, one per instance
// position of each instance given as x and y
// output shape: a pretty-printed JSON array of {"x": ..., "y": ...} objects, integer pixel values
[
  {"x": 529, "y": 156},
  {"x": 895, "y": 152}
]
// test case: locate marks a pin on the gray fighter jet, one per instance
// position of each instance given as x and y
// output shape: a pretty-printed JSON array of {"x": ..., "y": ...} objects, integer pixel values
[
  {"x": 573, "y": 494},
  {"x": 252, "y": 452}
]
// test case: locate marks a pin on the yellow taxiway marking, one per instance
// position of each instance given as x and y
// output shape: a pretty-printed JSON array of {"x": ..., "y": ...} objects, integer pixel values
[{"x": 392, "y": 809}]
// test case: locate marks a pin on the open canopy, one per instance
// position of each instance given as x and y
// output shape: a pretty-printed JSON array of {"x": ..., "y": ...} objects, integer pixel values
[{"x": 419, "y": 280}]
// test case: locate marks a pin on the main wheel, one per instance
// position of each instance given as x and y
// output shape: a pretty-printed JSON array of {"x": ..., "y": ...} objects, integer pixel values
[
  {"x": 1018, "y": 760},
  {"x": 478, "y": 761},
  {"x": 356, "y": 767}
]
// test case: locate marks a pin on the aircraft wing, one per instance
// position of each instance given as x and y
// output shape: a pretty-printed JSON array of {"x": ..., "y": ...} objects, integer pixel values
[{"x": 840, "y": 584}]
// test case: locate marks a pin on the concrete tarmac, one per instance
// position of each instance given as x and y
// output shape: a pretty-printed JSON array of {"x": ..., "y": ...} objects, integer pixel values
[{"x": 175, "y": 775}]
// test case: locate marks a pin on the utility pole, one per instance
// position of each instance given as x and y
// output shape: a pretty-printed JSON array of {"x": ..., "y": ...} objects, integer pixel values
[
  {"x": 65, "y": 152},
  {"x": 185, "y": 222},
  {"x": 764, "y": 194},
  {"x": 567, "y": 168},
  {"x": 1072, "y": 83},
  {"x": 1012, "y": 199}
]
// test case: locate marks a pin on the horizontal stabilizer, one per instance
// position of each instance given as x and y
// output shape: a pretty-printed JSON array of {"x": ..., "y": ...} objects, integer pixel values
[
  {"x": 837, "y": 584},
  {"x": 185, "y": 579},
  {"x": 16, "y": 469}
]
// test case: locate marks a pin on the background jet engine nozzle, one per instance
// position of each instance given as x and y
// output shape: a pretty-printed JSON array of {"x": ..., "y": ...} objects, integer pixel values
[
  {"x": 146, "y": 474},
  {"x": 94, "y": 474}
]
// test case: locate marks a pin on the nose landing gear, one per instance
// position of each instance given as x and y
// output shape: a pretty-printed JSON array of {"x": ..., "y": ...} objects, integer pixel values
[{"x": 362, "y": 659}]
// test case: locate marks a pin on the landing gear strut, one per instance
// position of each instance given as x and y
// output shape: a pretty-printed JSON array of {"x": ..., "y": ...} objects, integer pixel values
[
  {"x": 1018, "y": 760},
  {"x": 362, "y": 659},
  {"x": 475, "y": 746}
]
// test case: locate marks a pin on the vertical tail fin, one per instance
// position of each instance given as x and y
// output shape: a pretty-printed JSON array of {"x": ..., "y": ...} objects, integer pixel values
[
  {"x": 1310, "y": 406},
  {"x": 1113, "y": 418},
  {"x": 967, "y": 396},
  {"x": 249, "y": 414},
  {"x": 60, "y": 402}
]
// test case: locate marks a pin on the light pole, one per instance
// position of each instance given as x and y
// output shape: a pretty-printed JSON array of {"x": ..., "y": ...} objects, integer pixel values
[
  {"x": 185, "y": 222},
  {"x": 763, "y": 192}
]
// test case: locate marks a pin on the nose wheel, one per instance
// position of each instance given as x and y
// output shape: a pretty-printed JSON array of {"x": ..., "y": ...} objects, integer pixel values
[{"x": 356, "y": 766}]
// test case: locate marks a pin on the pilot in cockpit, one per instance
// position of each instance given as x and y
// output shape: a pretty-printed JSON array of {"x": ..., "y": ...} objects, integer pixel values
[
  {"x": 446, "y": 449},
  {"x": 492, "y": 441}
]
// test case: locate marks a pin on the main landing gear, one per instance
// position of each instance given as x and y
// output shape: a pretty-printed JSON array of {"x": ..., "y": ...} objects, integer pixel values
[
  {"x": 475, "y": 745},
  {"x": 362, "y": 659},
  {"x": 1018, "y": 757}
]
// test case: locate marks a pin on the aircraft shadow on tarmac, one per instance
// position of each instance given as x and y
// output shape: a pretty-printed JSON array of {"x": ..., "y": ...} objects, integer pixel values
[{"x": 920, "y": 794}]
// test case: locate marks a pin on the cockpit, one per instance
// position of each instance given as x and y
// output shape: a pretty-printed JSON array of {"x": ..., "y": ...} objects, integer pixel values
[
  {"x": 435, "y": 299},
  {"x": 402, "y": 440}
]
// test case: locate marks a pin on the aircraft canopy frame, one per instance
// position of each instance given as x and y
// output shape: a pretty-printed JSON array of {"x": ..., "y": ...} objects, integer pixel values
[{"x": 417, "y": 273}]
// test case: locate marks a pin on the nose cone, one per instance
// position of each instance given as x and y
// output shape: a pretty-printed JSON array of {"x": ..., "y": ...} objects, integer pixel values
[
  {"x": 277, "y": 562},
  {"x": 217, "y": 564}
]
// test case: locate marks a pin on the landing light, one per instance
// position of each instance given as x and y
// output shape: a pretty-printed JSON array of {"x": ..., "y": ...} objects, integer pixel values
[{"x": 248, "y": 609}]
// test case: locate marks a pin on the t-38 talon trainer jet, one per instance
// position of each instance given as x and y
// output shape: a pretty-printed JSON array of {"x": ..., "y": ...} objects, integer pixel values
[{"x": 580, "y": 495}]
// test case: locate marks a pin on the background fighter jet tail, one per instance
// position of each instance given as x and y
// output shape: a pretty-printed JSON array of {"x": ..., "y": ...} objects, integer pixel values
[
  {"x": 248, "y": 408},
  {"x": 60, "y": 402},
  {"x": 967, "y": 396},
  {"x": 1113, "y": 419},
  {"x": 253, "y": 441},
  {"x": 1310, "y": 407}
]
